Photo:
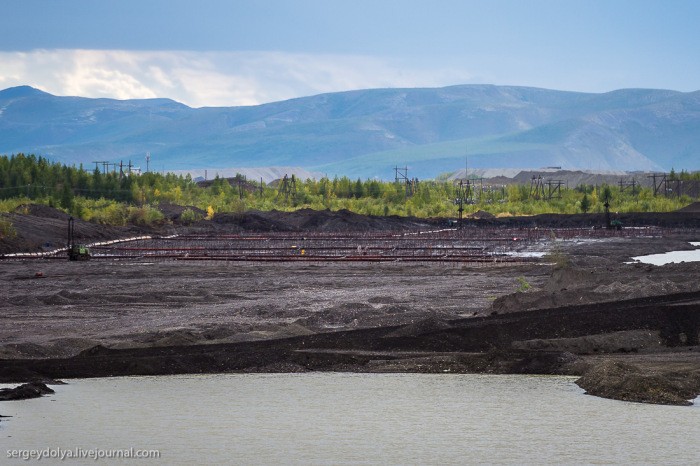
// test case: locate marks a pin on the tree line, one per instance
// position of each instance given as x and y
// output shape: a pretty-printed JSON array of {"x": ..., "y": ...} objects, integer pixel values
[{"x": 119, "y": 198}]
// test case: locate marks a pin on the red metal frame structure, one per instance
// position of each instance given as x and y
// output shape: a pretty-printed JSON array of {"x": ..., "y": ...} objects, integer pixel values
[{"x": 477, "y": 245}]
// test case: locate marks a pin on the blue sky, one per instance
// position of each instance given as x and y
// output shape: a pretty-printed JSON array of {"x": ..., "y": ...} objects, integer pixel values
[{"x": 237, "y": 52}]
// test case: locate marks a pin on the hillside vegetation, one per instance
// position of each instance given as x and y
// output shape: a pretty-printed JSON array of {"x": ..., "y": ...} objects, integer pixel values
[{"x": 117, "y": 199}]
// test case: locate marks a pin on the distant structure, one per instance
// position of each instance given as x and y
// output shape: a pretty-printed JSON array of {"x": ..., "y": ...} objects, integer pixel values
[
  {"x": 464, "y": 195},
  {"x": 633, "y": 186},
  {"x": 537, "y": 187},
  {"x": 538, "y": 191},
  {"x": 661, "y": 177},
  {"x": 402, "y": 177},
  {"x": 671, "y": 185},
  {"x": 104, "y": 163},
  {"x": 288, "y": 187},
  {"x": 108, "y": 167},
  {"x": 554, "y": 189}
]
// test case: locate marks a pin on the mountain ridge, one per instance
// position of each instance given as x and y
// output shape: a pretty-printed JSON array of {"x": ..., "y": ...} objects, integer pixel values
[{"x": 365, "y": 133}]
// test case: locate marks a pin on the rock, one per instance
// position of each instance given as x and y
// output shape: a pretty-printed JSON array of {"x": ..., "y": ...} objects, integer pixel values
[{"x": 25, "y": 391}]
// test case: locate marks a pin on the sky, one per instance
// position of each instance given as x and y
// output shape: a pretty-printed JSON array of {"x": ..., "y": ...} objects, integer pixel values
[{"x": 249, "y": 52}]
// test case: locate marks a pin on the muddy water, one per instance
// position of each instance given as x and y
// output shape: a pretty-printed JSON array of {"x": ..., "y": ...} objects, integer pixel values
[{"x": 336, "y": 418}]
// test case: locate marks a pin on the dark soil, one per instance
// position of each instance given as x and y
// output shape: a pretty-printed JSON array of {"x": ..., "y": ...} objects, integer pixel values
[
  {"x": 465, "y": 345},
  {"x": 40, "y": 228},
  {"x": 623, "y": 381},
  {"x": 25, "y": 391},
  {"x": 630, "y": 330},
  {"x": 692, "y": 208}
]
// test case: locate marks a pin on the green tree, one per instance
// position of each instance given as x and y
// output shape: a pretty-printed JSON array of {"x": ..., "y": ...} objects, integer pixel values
[
  {"x": 359, "y": 189},
  {"x": 66, "y": 200},
  {"x": 585, "y": 204}
]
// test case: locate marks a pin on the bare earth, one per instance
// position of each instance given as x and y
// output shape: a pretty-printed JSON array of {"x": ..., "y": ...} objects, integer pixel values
[
  {"x": 74, "y": 306},
  {"x": 416, "y": 317}
]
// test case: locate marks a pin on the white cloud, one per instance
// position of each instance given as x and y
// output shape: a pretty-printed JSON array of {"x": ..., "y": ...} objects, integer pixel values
[
  {"x": 210, "y": 78},
  {"x": 92, "y": 74}
]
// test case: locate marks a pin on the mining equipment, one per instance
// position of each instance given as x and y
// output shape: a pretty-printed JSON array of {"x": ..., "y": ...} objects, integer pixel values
[{"x": 76, "y": 252}]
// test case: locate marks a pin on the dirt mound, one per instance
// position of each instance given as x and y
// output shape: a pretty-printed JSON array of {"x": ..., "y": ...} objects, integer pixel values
[
  {"x": 481, "y": 214},
  {"x": 566, "y": 278},
  {"x": 25, "y": 391},
  {"x": 42, "y": 228},
  {"x": 586, "y": 293},
  {"x": 251, "y": 221},
  {"x": 173, "y": 211},
  {"x": 316, "y": 220},
  {"x": 685, "y": 219},
  {"x": 620, "y": 381},
  {"x": 694, "y": 207},
  {"x": 578, "y": 284},
  {"x": 638, "y": 289},
  {"x": 42, "y": 211}
]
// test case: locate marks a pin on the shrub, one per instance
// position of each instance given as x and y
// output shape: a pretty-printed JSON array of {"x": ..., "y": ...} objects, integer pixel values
[
  {"x": 189, "y": 216},
  {"x": 523, "y": 285},
  {"x": 145, "y": 215},
  {"x": 7, "y": 230}
]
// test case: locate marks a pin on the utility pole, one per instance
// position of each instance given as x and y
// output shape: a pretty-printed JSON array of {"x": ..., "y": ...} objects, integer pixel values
[
  {"x": 240, "y": 179},
  {"x": 288, "y": 187},
  {"x": 460, "y": 199},
  {"x": 657, "y": 186},
  {"x": 105, "y": 165}
]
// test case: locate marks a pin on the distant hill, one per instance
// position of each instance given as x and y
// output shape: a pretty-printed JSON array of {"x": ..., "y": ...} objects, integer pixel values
[{"x": 366, "y": 133}]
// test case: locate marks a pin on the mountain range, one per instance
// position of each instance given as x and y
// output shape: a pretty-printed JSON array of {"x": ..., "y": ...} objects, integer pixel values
[{"x": 366, "y": 133}]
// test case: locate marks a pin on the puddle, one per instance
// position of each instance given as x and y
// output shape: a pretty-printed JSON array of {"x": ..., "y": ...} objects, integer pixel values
[
  {"x": 526, "y": 254},
  {"x": 672, "y": 256}
]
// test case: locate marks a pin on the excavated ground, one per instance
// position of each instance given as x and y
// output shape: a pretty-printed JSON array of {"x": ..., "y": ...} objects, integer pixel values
[
  {"x": 632, "y": 330},
  {"x": 77, "y": 305}
]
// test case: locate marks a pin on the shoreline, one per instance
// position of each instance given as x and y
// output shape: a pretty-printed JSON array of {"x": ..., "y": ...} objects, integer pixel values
[{"x": 668, "y": 375}]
